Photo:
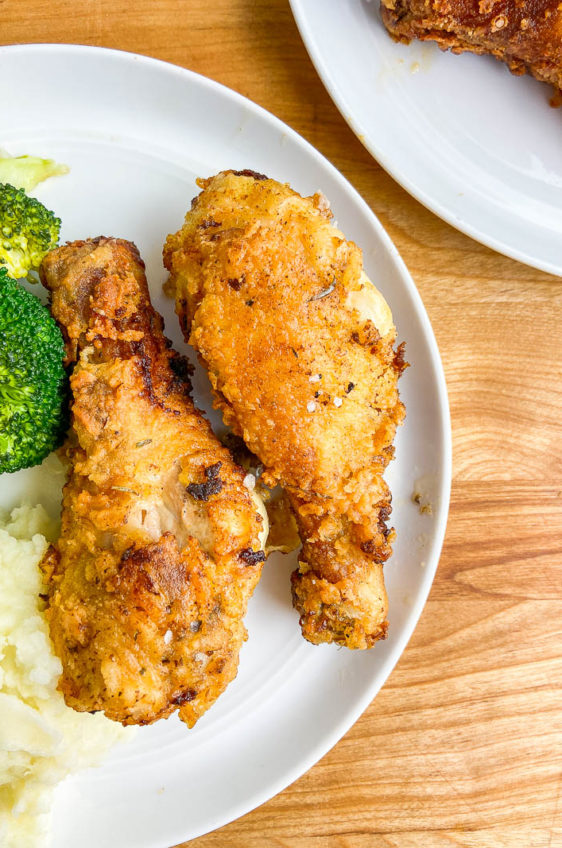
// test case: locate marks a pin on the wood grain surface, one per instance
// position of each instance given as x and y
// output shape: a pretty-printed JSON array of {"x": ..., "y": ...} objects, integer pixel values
[{"x": 463, "y": 745}]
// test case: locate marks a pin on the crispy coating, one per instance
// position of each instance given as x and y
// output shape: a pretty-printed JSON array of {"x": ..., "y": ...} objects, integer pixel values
[
  {"x": 525, "y": 34},
  {"x": 299, "y": 348},
  {"x": 150, "y": 579}
]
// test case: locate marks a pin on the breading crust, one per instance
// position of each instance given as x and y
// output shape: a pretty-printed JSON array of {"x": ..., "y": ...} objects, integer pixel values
[
  {"x": 300, "y": 351},
  {"x": 149, "y": 580},
  {"x": 525, "y": 34}
]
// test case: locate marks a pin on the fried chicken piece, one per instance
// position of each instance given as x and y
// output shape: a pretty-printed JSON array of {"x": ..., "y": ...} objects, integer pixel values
[
  {"x": 299, "y": 348},
  {"x": 161, "y": 542},
  {"x": 525, "y": 34}
]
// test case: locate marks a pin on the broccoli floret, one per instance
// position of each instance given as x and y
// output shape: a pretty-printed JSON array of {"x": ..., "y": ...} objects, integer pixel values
[
  {"x": 27, "y": 171},
  {"x": 27, "y": 231},
  {"x": 33, "y": 382}
]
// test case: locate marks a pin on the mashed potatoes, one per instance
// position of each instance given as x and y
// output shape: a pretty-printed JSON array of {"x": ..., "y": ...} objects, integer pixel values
[{"x": 41, "y": 739}]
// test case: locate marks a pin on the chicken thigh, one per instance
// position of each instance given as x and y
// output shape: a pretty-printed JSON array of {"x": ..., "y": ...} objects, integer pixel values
[{"x": 525, "y": 34}]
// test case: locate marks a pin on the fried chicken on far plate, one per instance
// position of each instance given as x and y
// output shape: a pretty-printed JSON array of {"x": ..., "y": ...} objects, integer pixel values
[
  {"x": 299, "y": 346},
  {"x": 161, "y": 543},
  {"x": 525, "y": 34}
]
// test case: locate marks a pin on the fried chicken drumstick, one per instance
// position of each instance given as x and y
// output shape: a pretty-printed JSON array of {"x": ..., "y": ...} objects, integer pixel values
[
  {"x": 299, "y": 348},
  {"x": 161, "y": 542}
]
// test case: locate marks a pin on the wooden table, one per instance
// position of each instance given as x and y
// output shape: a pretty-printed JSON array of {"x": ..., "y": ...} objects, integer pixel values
[{"x": 462, "y": 747}]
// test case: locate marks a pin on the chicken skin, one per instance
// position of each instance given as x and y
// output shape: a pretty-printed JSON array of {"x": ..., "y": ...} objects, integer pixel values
[
  {"x": 525, "y": 34},
  {"x": 300, "y": 350},
  {"x": 161, "y": 543}
]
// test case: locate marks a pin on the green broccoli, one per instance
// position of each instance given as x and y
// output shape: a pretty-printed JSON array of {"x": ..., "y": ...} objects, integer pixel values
[
  {"x": 33, "y": 382},
  {"x": 27, "y": 171},
  {"x": 27, "y": 231}
]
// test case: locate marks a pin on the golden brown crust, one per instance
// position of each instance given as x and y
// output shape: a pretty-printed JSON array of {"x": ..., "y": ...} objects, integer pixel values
[
  {"x": 149, "y": 580},
  {"x": 299, "y": 347},
  {"x": 525, "y": 34}
]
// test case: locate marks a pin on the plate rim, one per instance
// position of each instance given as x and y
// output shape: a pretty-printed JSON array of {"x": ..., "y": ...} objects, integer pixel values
[
  {"x": 352, "y": 714},
  {"x": 356, "y": 124}
]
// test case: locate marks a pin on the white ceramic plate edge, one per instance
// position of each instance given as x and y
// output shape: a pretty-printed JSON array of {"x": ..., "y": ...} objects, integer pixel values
[
  {"x": 443, "y": 491},
  {"x": 356, "y": 125}
]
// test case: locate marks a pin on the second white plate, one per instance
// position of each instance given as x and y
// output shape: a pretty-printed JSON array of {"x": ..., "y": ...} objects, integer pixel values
[{"x": 478, "y": 146}]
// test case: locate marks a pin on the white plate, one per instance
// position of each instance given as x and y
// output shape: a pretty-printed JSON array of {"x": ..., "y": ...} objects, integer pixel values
[
  {"x": 135, "y": 133},
  {"x": 478, "y": 146}
]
